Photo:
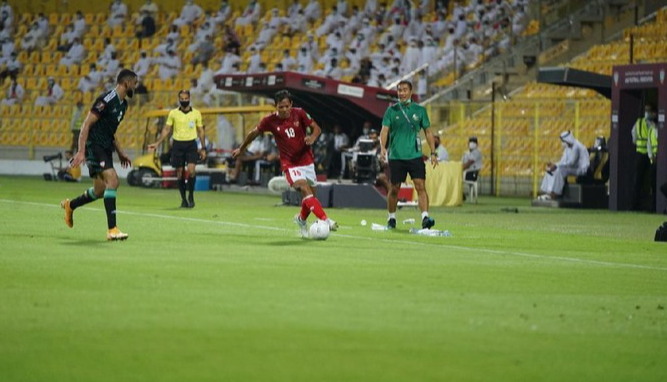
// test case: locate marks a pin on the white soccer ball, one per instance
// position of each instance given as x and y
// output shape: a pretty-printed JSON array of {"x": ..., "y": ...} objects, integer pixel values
[
  {"x": 278, "y": 185},
  {"x": 319, "y": 230}
]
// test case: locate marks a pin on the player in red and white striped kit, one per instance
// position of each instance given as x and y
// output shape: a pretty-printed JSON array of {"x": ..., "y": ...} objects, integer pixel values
[{"x": 289, "y": 126}]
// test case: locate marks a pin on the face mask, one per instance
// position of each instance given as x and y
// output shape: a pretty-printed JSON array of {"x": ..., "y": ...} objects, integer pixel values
[
  {"x": 564, "y": 145},
  {"x": 184, "y": 103},
  {"x": 647, "y": 115},
  {"x": 472, "y": 145},
  {"x": 365, "y": 131}
]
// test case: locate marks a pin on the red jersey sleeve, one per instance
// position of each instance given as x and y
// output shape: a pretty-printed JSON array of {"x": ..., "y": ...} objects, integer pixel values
[
  {"x": 306, "y": 119},
  {"x": 264, "y": 124}
]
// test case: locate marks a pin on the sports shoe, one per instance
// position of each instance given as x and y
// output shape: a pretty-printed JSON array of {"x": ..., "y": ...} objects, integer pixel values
[
  {"x": 191, "y": 202},
  {"x": 184, "y": 204},
  {"x": 333, "y": 226},
  {"x": 69, "y": 213},
  {"x": 115, "y": 234},
  {"x": 428, "y": 222},
  {"x": 303, "y": 225},
  {"x": 391, "y": 223}
]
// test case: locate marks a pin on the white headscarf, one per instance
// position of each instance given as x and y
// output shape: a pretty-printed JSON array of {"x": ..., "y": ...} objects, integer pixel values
[{"x": 567, "y": 137}]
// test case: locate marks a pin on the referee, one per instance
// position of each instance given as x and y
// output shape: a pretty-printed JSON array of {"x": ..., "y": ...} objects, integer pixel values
[
  {"x": 187, "y": 124},
  {"x": 402, "y": 124}
]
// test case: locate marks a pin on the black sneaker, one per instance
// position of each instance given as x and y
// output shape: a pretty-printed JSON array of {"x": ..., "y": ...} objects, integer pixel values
[
  {"x": 191, "y": 202},
  {"x": 391, "y": 223},
  {"x": 184, "y": 204},
  {"x": 428, "y": 222}
]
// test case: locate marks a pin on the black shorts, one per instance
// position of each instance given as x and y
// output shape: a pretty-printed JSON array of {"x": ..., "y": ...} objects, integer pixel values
[
  {"x": 184, "y": 152},
  {"x": 399, "y": 169},
  {"x": 98, "y": 159}
]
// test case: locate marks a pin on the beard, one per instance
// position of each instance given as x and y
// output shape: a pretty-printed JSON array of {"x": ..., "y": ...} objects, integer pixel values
[{"x": 130, "y": 93}]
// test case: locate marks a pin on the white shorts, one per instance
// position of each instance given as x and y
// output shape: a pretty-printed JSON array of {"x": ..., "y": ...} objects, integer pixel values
[{"x": 302, "y": 172}]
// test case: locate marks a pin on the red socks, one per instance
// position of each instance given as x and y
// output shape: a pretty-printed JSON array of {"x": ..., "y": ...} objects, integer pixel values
[{"x": 310, "y": 203}]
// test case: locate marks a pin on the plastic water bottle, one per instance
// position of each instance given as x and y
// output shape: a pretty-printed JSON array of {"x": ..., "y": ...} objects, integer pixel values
[
  {"x": 379, "y": 227},
  {"x": 409, "y": 221},
  {"x": 430, "y": 232}
]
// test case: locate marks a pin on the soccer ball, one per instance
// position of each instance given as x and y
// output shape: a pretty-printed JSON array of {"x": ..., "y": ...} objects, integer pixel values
[{"x": 319, "y": 230}]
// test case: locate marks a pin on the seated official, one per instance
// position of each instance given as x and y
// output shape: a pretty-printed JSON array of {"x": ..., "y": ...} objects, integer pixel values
[{"x": 575, "y": 161}]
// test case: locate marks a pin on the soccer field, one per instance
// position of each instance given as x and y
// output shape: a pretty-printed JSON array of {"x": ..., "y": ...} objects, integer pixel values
[{"x": 229, "y": 291}]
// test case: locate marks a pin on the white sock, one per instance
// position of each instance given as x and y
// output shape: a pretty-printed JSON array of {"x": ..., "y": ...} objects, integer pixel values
[
  {"x": 424, "y": 214},
  {"x": 392, "y": 215}
]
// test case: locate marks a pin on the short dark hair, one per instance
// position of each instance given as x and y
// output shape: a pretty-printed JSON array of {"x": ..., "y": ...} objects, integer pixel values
[
  {"x": 281, "y": 95},
  {"x": 184, "y": 91},
  {"x": 125, "y": 75},
  {"x": 404, "y": 82}
]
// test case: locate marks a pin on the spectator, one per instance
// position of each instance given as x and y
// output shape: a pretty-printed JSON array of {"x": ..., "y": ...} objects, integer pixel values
[
  {"x": 105, "y": 57},
  {"x": 440, "y": 150},
  {"x": 43, "y": 24},
  {"x": 289, "y": 63},
  {"x": 312, "y": 11},
  {"x": 7, "y": 14},
  {"x": 257, "y": 150},
  {"x": 255, "y": 60},
  {"x": 204, "y": 52},
  {"x": 294, "y": 9},
  {"x": 228, "y": 61},
  {"x": 575, "y": 161},
  {"x": 223, "y": 13},
  {"x": 190, "y": 13},
  {"x": 12, "y": 67},
  {"x": 75, "y": 55},
  {"x": 170, "y": 65},
  {"x": 33, "y": 39},
  {"x": 112, "y": 67},
  {"x": 117, "y": 13},
  {"x": 169, "y": 44},
  {"x": 7, "y": 47},
  {"x": 143, "y": 66},
  {"x": 340, "y": 143},
  {"x": 54, "y": 94},
  {"x": 251, "y": 14},
  {"x": 149, "y": 7},
  {"x": 174, "y": 34},
  {"x": 90, "y": 81},
  {"x": 79, "y": 24},
  {"x": 472, "y": 160},
  {"x": 66, "y": 39},
  {"x": 14, "y": 94},
  {"x": 147, "y": 25},
  {"x": 304, "y": 61}
]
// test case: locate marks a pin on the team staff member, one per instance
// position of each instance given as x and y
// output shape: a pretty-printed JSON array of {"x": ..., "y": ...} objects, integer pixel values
[
  {"x": 98, "y": 138},
  {"x": 187, "y": 123},
  {"x": 401, "y": 124},
  {"x": 644, "y": 168}
]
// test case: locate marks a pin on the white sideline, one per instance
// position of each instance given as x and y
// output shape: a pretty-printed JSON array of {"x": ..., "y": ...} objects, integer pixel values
[{"x": 386, "y": 240}]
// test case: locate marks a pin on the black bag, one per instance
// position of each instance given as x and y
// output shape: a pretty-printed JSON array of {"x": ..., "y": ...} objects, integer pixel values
[{"x": 661, "y": 232}]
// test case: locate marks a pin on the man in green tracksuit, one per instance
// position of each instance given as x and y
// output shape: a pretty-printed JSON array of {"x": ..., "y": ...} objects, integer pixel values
[{"x": 401, "y": 125}]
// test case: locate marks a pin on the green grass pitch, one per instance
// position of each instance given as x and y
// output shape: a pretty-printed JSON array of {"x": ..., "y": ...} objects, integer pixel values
[{"x": 228, "y": 291}]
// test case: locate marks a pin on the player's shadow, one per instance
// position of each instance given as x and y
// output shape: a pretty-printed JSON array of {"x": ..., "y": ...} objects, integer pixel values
[
  {"x": 288, "y": 243},
  {"x": 83, "y": 243}
]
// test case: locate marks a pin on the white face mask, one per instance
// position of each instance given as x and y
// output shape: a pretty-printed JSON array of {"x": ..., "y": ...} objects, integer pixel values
[
  {"x": 564, "y": 145},
  {"x": 647, "y": 115},
  {"x": 472, "y": 145}
]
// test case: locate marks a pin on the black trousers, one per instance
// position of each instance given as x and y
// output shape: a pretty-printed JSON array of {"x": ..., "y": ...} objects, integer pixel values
[{"x": 644, "y": 184}]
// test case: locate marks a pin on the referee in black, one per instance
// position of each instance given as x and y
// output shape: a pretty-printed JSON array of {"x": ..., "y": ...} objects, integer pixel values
[{"x": 187, "y": 124}]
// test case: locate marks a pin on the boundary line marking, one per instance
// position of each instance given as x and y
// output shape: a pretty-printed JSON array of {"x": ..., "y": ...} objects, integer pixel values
[{"x": 386, "y": 240}]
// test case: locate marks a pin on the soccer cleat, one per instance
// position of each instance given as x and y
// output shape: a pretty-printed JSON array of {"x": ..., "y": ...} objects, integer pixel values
[
  {"x": 191, "y": 202},
  {"x": 303, "y": 225},
  {"x": 333, "y": 226},
  {"x": 428, "y": 222},
  {"x": 184, "y": 204},
  {"x": 69, "y": 213},
  {"x": 115, "y": 234},
  {"x": 391, "y": 223}
]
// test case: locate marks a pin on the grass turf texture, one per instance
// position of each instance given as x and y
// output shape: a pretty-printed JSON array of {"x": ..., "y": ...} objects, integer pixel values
[{"x": 229, "y": 291}]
